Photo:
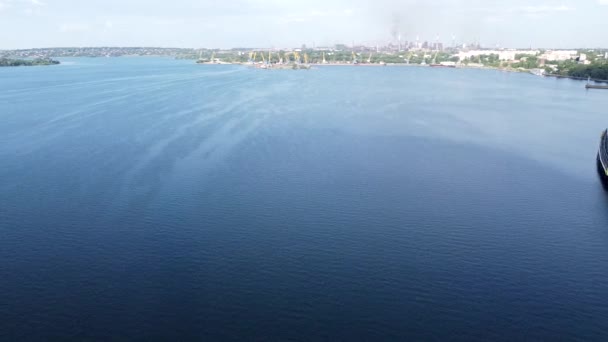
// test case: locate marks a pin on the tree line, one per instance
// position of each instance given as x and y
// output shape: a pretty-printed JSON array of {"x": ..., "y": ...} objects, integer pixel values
[{"x": 7, "y": 62}]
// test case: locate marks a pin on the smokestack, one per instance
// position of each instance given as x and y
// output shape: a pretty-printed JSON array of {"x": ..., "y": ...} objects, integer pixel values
[
  {"x": 399, "y": 42},
  {"x": 395, "y": 27}
]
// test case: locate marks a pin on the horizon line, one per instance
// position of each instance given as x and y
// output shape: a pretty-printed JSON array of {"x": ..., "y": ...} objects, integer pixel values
[{"x": 277, "y": 48}]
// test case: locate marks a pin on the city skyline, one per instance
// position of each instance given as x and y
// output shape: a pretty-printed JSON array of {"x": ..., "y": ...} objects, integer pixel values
[{"x": 256, "y": 23}]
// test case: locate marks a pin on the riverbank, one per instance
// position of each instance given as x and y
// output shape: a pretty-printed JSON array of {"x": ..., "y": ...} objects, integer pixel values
[
  {"x": 6, "y": 62},
  {"x": 460, "y": 66}
]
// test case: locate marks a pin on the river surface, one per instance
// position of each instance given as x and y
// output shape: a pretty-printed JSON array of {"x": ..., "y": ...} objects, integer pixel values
[{"x": 149, "y": 198}]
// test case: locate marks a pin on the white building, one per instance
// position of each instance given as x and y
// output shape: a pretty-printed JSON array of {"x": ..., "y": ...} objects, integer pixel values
[
  {"x": 582, "y": 57},
  {"x": 503, "y": 55},
  {"x": 559, "y": 55}
]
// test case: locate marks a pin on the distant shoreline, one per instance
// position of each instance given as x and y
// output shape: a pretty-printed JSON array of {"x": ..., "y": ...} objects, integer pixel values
[
  {"x": 404, "y": 65},
  {"x": 9, "y": 62}
]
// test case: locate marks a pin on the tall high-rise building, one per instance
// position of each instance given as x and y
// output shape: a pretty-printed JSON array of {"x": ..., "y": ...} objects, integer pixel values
[{"x": 399, "y": 42}]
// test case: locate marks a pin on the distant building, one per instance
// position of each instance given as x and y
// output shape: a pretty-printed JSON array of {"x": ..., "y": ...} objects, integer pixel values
[
  {"x": 438, "y": 46},
  {"x": 503, "y": 55},
  {"x": 507, "y": 55},
  {"x": 560, "y": 55}
]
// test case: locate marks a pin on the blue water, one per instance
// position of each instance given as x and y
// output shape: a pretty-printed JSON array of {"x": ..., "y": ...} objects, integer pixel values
[{"x": 146, "y": 198}]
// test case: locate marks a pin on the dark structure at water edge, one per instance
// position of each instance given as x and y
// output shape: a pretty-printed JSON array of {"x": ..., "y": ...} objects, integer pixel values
[
  {"x": 595, "y": 86},
  {"x": 602, "y": 157}
]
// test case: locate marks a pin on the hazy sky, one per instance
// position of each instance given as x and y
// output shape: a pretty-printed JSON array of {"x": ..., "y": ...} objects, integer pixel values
[{"x": 275, "y": 23}]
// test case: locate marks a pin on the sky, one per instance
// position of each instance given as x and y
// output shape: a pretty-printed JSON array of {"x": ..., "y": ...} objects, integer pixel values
[{"x": 287, "y": 23}]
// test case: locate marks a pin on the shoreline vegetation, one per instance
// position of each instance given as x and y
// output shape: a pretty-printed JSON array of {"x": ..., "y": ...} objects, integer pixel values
[
  {"x": 8, "y": 62},
  {"x": 593, "y": 66},
  {"x": 458, "y": 66}
]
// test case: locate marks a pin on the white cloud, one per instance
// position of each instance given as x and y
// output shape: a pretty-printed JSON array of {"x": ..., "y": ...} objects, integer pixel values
[
  {"x": 5, "y": 4},
  {"x": 27, "y": 7},
  {"x": 73, "y": 27},
  {"x": 292, "y": 18},
  {"x": 315, "y": 15},
  {"x": 545, "y": 9}
]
